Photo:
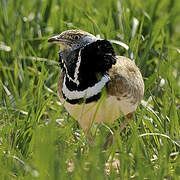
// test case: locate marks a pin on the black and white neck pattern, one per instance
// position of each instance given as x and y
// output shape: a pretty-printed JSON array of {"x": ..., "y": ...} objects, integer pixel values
[
  {"x": 86, "y": 71},
  {"x": 87, "y": 95}
]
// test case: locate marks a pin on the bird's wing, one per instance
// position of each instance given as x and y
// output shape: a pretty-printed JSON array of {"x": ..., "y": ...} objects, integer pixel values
[{"x": 125, "y": 80}]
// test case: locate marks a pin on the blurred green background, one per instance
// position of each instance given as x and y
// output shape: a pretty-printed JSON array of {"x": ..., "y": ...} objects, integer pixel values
[{"x": 39, "y": 140}]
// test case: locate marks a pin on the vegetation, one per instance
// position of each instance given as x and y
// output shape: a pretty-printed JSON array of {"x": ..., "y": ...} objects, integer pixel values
[{"x": 39, "y": 140}]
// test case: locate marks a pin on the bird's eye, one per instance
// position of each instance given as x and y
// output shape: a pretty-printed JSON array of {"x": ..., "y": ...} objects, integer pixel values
[{"x": 76, "y": 37}]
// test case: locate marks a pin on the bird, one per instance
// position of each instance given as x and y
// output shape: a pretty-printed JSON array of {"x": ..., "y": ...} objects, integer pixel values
[{"x": 96, "y": 85}]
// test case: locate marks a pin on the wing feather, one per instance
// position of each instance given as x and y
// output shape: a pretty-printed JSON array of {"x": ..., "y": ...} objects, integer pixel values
[{"x": 126, "y": 80}]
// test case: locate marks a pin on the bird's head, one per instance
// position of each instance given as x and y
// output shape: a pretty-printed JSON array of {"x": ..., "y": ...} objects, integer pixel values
[{"x": 72, "y": 39}]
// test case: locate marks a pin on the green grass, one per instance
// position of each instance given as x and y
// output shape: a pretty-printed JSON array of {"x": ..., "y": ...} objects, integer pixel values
[{"x": 39, "y": 140}]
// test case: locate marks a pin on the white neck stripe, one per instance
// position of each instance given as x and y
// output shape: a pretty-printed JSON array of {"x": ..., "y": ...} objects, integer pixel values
[
  {"x": 67, "y": 71},
  {"x": 77, "y": 68},
  {"x": 75, "y": 80},
  {"x": 87, "y": 93}
]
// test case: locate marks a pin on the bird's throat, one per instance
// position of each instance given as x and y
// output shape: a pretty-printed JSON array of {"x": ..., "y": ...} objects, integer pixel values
[{"x": 70, "y": 62}]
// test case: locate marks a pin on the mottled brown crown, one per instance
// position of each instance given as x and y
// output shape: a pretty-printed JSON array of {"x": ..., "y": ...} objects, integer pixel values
[{"x": 73, "y": 35}]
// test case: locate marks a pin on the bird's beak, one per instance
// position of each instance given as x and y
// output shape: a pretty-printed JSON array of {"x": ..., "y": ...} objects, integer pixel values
[
  {"x": 57, "y": 40},
  {"x": 63, "y": 43},
  {"x": 53, "y": 39}
]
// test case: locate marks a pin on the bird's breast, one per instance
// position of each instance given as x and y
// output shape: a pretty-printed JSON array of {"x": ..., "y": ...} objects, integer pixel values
[{"x": 106, "y": 109}]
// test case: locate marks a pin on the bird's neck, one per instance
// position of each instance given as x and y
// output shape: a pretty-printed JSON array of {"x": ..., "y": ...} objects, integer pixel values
[
  {"x": 78, "y": 75},
  {"x": 81, "y": 82},
  {"x": 86, "y": 71}
]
